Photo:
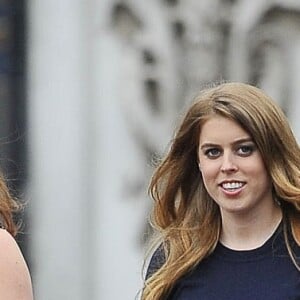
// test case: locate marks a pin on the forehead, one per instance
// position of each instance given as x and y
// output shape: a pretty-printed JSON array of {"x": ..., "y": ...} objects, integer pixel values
[{"x": 218, "y": 129}]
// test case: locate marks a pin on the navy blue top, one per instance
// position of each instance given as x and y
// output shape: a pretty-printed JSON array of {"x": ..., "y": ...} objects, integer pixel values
[{"x": 265, "y": 273}]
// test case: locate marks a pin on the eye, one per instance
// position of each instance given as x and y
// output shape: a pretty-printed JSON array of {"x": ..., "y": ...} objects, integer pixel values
[
  {"x": 212, "y": 153},
  {"x": 245, "y": 150}
]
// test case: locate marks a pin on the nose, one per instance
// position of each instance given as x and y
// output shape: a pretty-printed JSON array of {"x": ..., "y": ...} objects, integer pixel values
[{"x": 228, "y": 164}]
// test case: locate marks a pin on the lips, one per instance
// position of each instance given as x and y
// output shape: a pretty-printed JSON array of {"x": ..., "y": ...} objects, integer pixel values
[{"x": 232, "y": 186}]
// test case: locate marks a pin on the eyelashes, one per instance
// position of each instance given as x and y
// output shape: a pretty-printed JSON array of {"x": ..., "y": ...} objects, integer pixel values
[
  {"x": 241, "y": 150},
  {"x": 212, "y": 152},
  {"x": 246, "y": 150}
]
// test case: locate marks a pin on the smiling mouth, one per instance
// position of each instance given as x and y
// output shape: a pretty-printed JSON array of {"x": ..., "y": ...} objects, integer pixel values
[{"x": 232, "y": 186}]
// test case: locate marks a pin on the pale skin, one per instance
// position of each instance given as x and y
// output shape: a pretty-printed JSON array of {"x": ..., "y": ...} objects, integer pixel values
[
  {"x": 235, "y": 176},
  {"x": 15, "y": 282}
]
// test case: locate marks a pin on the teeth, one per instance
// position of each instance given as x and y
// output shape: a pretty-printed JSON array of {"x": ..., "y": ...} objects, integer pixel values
[{"x": 232, "y": 185}]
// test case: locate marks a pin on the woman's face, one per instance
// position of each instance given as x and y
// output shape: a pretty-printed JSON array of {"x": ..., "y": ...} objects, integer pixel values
[{"x": 232, "y": 168}]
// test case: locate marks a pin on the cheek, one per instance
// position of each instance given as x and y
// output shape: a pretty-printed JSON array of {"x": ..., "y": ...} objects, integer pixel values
[
  {"x": 209, "y": 177},
  {"x": 261, "y": 175},
  {"x": 209, "y": 171},
  {"x": 256, "y": 167}
]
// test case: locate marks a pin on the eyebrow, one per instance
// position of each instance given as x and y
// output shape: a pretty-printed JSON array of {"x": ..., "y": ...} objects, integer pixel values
[{"x": 237, "y": 142}]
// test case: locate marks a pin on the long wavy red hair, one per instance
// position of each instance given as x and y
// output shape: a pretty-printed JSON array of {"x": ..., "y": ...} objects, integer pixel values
[{"x": 9, "y": 207}]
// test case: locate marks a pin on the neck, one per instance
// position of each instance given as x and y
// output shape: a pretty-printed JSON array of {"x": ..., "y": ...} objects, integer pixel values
[{"x": 249, "y": 232}]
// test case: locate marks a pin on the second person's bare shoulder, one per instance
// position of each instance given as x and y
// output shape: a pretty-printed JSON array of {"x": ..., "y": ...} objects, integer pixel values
[{"x": 15, "y": 283}]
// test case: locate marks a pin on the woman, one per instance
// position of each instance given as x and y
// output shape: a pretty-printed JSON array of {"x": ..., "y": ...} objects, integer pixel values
[
  {"x": 15, "y": 281},
  {"x": 227, "y": 200}
]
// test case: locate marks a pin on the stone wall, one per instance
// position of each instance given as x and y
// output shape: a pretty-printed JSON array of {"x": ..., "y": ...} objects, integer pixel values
[{"x": 143, "y": 62}]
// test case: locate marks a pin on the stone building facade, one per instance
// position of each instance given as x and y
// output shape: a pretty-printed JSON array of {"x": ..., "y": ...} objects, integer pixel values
[{"x": 108, "y": 80}]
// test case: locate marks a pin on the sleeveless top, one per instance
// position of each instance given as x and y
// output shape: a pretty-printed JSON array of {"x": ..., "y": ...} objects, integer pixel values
[{"x": 265, "y": 273}]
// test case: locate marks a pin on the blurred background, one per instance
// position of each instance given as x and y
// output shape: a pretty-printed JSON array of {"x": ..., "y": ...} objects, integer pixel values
[{"x": 90, "y": 93}]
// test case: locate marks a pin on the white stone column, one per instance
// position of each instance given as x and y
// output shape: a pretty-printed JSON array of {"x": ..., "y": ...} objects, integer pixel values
[
  {"x": 57, "y": 134},
  {"x": 118, "y": 217}
]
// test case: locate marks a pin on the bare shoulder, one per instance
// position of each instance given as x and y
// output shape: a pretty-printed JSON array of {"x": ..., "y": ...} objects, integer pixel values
[{"x": 15, "y": 280}]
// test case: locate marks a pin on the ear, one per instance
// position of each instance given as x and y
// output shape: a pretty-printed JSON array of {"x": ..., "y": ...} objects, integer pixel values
[{"x": 199, "y": 166}]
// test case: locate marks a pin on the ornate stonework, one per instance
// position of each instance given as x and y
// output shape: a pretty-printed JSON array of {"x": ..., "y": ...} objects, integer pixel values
[{"x": 131, "y": 69}]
